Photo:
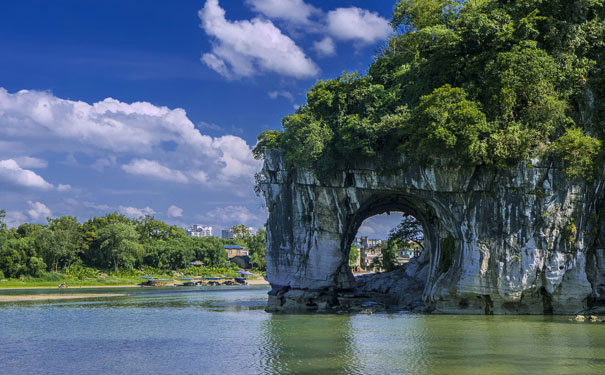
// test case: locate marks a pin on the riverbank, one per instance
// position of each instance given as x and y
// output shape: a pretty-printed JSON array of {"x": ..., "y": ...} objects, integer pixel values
[
  {"x": 47, "y": 285},
  {"x": 104, "y": 283}
]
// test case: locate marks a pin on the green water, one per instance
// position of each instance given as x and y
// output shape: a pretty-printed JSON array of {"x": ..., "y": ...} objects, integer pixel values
[{"x": 226, "y": 331}]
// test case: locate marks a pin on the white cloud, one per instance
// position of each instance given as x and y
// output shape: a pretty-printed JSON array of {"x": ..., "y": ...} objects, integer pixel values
[
  {"x": 15, "y": 218},
  {"x": 325, "y": 47},
  {"x": 235, "y": 158},
  {"x": 277, "y": 94},
  {"x": 102, "y": 163},
  {"x": 246, "y": 48},
  {"x": 293, "y": 11},
  {"x": 174, "y": 211},
  {"x": 30, "y": 162},
  {"x": 38, "y": 210},
  {"x": 150, "y": 168},
  {"x": 135, "y": 212},
  {"x": 11, "y": 172},
  {"x": 36, "y": 122},
  {"x": 232, "y": 215},
  {"x": 62, "y": 187},
  {"x": 355, "y": 24},
  {"x": 90, "y": 205}
]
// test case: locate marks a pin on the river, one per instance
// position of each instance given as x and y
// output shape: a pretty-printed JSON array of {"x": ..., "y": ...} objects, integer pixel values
[{"x": 224, "y": 330}]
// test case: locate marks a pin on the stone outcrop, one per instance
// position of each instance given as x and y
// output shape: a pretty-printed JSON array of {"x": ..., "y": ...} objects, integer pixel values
[
  {"x": 519, "y": 241},
  {"x": 404, "y": 285}
]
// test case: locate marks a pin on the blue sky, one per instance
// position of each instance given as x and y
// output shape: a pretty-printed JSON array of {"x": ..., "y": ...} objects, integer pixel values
[{"x": 152, "y": 107}]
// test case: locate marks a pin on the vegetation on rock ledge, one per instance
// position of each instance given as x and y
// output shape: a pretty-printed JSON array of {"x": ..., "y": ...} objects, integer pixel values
[{"x": 488, "y": 82}]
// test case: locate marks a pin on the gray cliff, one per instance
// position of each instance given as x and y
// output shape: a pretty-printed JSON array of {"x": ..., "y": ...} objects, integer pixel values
[{"x": 519, "y": 241}]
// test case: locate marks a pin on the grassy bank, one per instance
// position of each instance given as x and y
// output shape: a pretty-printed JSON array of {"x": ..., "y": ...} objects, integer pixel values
[
  {"x": 40, "y": 283},
  {"x": 77, "y": 276}
]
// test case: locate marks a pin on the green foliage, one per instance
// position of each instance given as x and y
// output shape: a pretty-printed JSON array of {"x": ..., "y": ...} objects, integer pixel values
[
  {"x": 2, "y": 223},
  {"x": 578, "y": 152},
  {"x": 407, "y": 234},
  {"x": 120, "y": 245},
  {"x": 487, "y": 82},
  {"x": 419, "y": 14},
  {"x": 62, "y": 243},
  {"x": 36, "y": 266},
  {"x": 115, "y": 250},
  {"x": 389, "y": 256},
  {"x": 268, "y": 139},
  {"x": 353, "y": 255},
  {"x": 446, "y": 120},
  {"x": 256, "y": 246}
]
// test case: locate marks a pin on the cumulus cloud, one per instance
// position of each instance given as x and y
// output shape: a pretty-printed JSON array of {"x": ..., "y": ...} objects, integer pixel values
[
  {"x": 232, "y": 215},
  {"x": 36, "y": 122},
  {"x": 12, "y": 173},
  {"x": 356, "y": 24},
  {"x": 15, "y": 218},
  {"x": 293, "y": 11},
  {"x": 154, "y": 169},
  {"x": 174, "y": 211},
  {"x": 102, "y": 163},
  {"x": 62, "y": 187},
  {"x": 38, "y": 210},
  {"x": 87, "y": 204},
  {"x": 344, "y": 24},
  {"x": 30, "y": 162},
  {"x": 248, "y": 47},
  {"x": 135, "y": 212},
  {"x": 277, "y": 94},
  {"x": 325, "y": 47}
]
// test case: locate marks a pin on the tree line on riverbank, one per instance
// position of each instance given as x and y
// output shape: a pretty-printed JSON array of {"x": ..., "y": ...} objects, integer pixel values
[{"x": 113, "y": 243}]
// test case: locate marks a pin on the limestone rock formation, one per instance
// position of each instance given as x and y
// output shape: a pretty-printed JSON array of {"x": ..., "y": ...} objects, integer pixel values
[{"x": 519, "y": 241}]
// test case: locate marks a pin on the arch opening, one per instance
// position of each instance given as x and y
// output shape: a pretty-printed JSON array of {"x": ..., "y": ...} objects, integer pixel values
[
  {"x": 418, "y": 258},
  {"x": 385, "y": 242}
]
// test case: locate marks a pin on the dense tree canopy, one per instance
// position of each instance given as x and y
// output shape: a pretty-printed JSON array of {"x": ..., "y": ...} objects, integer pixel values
[
  {"x": 486, "y": 82},
  {"x": 113, "y": 242}
]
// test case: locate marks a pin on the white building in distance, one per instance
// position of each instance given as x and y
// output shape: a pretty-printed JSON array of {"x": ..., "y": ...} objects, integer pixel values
[
  {"x": 227, "y": 234},
  {"x": 198, "y": 230}
]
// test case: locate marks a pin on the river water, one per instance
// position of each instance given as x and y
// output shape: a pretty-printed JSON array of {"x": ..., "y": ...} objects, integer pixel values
[{"x": 224, "y": 330}]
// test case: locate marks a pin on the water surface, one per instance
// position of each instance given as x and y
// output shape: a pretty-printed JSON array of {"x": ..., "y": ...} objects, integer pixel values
[{"x": 226, "y": 331}]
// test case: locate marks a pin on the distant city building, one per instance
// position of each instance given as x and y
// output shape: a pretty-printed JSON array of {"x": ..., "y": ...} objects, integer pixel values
[
  {"x": 367, "y": 242},
  {"x": 370, "y": 252},
  {"x": 226, "y": 234},
  {"x": 198, "y": 230}
]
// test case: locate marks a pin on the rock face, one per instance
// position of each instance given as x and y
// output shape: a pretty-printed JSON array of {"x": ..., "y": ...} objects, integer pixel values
[{"x": 521, "y": 241}]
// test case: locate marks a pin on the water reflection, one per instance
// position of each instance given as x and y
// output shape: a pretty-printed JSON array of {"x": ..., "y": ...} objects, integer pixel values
[
  {"x": 308, "y": 344},
  {"x": 225, "y": 331},
  {"x": 418, "y": 344}
]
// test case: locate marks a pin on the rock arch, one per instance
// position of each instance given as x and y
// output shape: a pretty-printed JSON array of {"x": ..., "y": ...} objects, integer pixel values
[{"x": 514, "y": 241}]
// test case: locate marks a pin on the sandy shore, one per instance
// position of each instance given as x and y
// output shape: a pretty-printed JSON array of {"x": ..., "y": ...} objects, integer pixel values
[
  {"x": 258, "y": 282},
  {"x": 51, "y": 297}
]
